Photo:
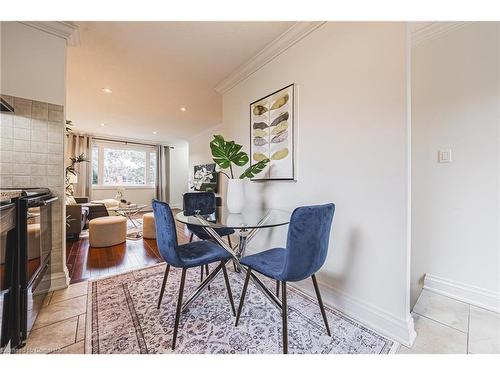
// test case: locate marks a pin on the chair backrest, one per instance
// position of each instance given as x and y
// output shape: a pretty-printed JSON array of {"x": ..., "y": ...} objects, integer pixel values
[
  {"x": 166, "y": 234},
  {"x": 307, "y": 242},
  {"x": 204, "y": 202}
]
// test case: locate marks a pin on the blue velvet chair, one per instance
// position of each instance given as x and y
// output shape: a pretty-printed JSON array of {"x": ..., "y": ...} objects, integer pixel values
[
  {"x": 194, "y": 254},
  {"x": 304, "y": 255},
  {"x": 203, "y": 203}
]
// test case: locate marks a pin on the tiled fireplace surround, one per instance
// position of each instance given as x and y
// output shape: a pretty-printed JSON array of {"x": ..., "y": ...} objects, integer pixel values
[{"x": 31, "y": 155}]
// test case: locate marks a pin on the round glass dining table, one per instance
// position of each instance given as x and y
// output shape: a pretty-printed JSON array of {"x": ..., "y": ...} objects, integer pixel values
[
  {"x": 249, "y": 218},
  {"x": 246, "y": 224}
]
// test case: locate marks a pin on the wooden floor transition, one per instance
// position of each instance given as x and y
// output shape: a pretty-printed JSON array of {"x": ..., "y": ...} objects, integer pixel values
[{"x": 85, "y": 262}]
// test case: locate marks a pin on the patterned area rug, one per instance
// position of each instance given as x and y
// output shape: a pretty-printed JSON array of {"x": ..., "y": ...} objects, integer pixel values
[{"x": 124, "y": 319}]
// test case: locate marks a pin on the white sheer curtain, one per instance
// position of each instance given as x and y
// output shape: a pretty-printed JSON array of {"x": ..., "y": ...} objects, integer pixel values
[
  {"x": 77, "y": 144},
  {"x": 162, "y": 173}
]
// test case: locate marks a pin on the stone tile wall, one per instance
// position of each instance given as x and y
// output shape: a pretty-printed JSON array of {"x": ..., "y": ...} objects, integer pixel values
[{"x": 32, "y": 155}]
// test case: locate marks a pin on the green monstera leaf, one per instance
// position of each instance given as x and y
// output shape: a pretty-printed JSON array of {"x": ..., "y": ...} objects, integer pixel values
[
  {"x": 225, "y": 153},
  {"x": 255, "y": 169}
]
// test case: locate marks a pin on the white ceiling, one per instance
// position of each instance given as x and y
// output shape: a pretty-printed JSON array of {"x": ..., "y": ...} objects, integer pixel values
[{"x": 154, "y": 68}]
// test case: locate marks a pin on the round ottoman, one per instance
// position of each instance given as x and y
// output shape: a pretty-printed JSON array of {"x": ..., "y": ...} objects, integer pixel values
[
  {"x": 107, "y": 231},
  {"x": 148, "y": 226}
]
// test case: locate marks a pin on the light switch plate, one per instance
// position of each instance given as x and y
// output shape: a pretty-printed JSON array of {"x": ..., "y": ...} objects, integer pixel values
[{"x": 444, "y": 156}]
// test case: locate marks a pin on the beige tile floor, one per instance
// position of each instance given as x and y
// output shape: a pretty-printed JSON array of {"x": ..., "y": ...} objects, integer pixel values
[
  {"x": 60, "y": 325},
  {"x": 445, "y": 326}
]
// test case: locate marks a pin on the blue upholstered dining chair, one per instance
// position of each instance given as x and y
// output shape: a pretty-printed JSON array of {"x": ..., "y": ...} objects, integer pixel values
[
  {"x": 194, "y": 254},
  {"x": 203, "y": 203},
  {"x": 305, "y": 253}
]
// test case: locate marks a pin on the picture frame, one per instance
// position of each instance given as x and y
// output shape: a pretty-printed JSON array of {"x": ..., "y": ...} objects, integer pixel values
[
  {"x": 210, "y": 183},
  {"x": 272, "y": 134}
]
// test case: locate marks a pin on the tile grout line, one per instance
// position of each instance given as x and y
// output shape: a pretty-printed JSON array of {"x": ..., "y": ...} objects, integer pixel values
[
  {"x": 50, "y": 299},
  {"x": 76, "y": 330},
  {"x": 62, "y": 319},
  {"x": 51, "y": 324},
  {"x": 437, "y": 321},
  {"x": 63, "y": 300},
  {"x": 65, "y": 346}
]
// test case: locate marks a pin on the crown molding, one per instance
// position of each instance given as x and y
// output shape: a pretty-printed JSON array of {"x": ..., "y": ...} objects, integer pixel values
[
  {"x": 65, "y": 30},
  {"x": 291, "y": 36},
  {"x": 212, "y": 130},
  {"x": 434, "y": 30}
]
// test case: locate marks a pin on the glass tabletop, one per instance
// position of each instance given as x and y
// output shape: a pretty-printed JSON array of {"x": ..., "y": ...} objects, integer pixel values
[
  {"x": 128, "y": 209},
  {"x": 247, "y": 219}
]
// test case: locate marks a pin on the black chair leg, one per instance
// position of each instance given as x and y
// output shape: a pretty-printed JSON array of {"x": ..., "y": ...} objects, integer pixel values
[
  {"x": 229, "y": 293},
  {"x": 320, "y": 302},
  {"x": 206, "y": 269},
  {"x": 277, "y": 288},
  {"x": 165, "y": 277},
  {"x": 231, "y": 246},
  {"x": 179, "y": 307},
  {"x": 242, "y": 298},
  {"x": 191, "y": 237},
  {"x": 284, "y": 316}
]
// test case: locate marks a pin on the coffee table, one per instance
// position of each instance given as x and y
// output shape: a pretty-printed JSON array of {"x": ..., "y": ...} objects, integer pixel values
[{"x": 129, "y": 213}]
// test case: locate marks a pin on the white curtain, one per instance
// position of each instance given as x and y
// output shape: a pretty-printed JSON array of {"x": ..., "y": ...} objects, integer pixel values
[
  {"x": 162, "y": 173},
  {"x": 77, "y": 144}
]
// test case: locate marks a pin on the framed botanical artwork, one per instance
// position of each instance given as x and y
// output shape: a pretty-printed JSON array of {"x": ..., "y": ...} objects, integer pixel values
[
  {"x": 272, "y": 134},
  {"x": 205, "y": 177}
]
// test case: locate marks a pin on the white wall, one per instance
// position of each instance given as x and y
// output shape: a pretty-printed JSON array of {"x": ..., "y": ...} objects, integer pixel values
[
  {"x": 455, "y": 105},
  {"x": 352, "y": 150},
  {"x": 33, "y": 64},
  {"x": 135, "y": 195},
  {"x": 179, "y": 173},
  {"x": 199, "y": 149}
]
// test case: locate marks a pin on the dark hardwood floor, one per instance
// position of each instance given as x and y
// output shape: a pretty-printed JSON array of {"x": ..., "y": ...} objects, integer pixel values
[{"x": 86, "y": 262}]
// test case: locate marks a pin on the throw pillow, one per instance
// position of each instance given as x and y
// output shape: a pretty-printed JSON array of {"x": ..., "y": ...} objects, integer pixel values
[{"x": 70, "y": 200}]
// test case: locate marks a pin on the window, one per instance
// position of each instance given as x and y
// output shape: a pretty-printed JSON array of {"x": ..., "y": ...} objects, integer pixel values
[{"x": 115, "y": 164}]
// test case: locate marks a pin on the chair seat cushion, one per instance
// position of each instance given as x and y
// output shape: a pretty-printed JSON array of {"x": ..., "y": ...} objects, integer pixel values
[
  {"x": 269, "y": 263},
  {"x": 201, "y": 252},
  {"x": 202, "y": 235}
]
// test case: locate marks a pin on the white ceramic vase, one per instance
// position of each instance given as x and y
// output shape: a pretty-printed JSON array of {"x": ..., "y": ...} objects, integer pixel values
[{"x": 235, "y": 195}]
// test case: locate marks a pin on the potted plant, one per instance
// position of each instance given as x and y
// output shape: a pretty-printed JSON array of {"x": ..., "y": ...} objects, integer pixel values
[
  {"x": 225, "y": 154},
  {"x": 71, "y": 171}
]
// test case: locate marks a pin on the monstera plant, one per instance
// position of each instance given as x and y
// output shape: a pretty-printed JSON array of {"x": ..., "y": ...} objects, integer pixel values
[{"x": 226, "y": 153}]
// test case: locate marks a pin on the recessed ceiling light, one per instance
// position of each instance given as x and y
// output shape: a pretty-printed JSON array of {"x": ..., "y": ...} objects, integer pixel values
[
  {"x": 102, "y": 124},
  {"x": 183, "y": 109},
  {"x": 107, "y": 90},
  {"x": 155, "y": 132}
]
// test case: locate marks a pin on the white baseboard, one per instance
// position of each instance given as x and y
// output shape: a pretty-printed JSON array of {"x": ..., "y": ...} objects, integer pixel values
[
  {"x": 371, "y": 316},
  {"x": 473, "y": 295},
  {"x": 59, "y": 280}
]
